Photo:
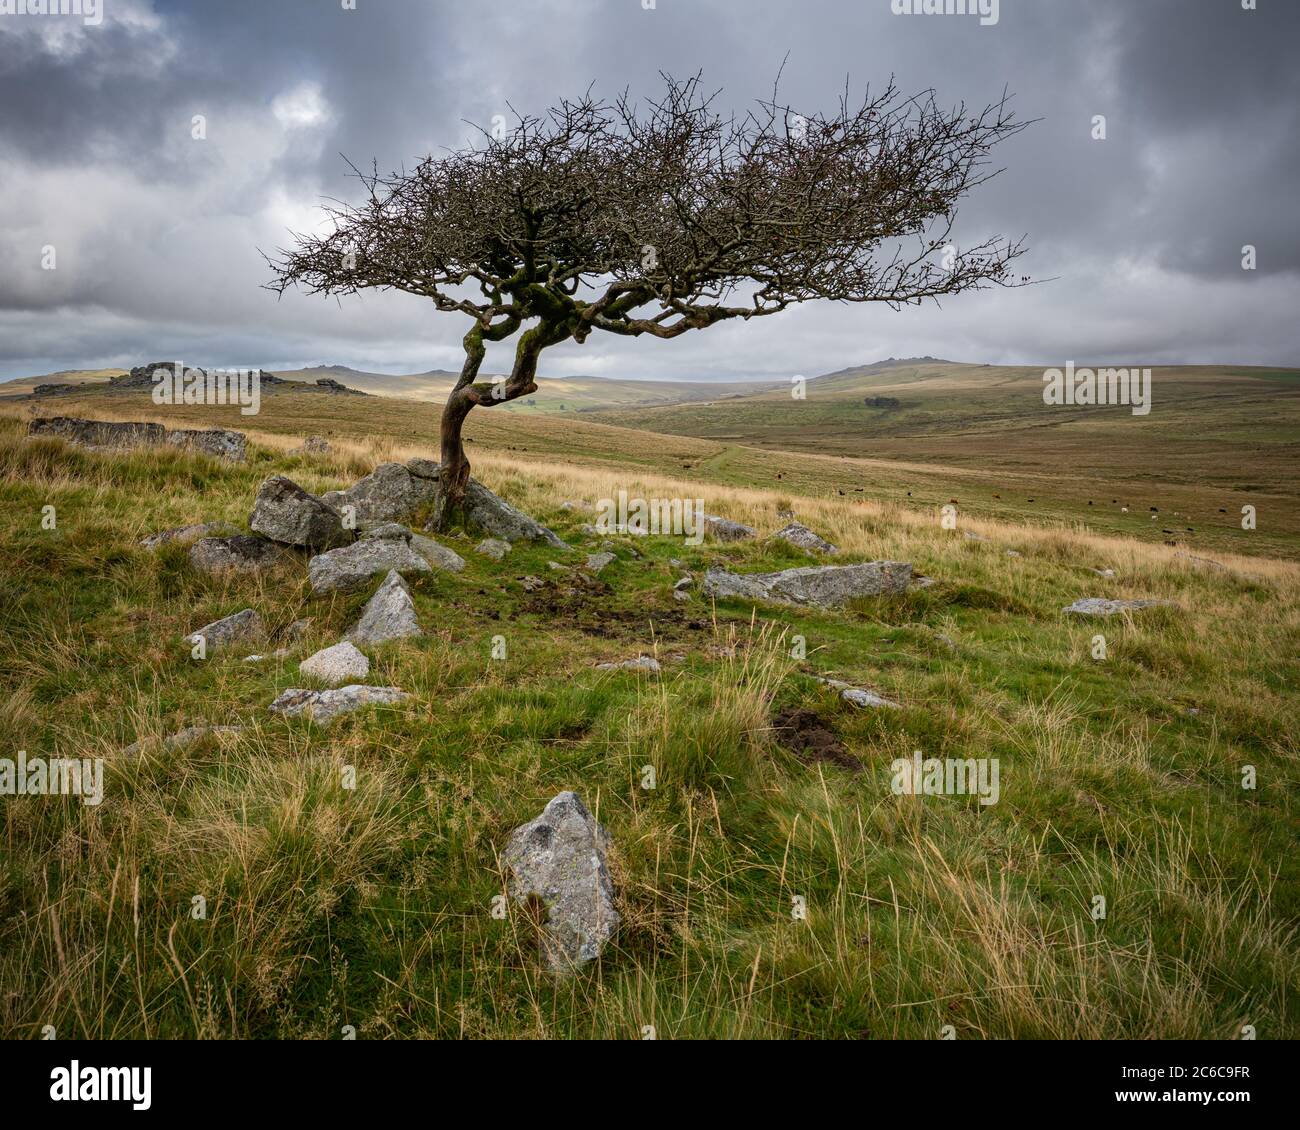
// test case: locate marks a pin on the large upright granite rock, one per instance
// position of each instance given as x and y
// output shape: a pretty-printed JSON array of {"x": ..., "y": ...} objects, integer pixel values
[
  {"x": 560, "y": 858},
  {"x": 286, "y": 513},
  {"x": 388, "y": 615},
  {"x": 239, "y": 554},
  {"x": 827, "y": 586},
  {"x": 349, "y": 568}
]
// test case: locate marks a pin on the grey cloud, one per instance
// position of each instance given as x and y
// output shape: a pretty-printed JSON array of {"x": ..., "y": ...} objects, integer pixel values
[{"x": 158, "y": 235}]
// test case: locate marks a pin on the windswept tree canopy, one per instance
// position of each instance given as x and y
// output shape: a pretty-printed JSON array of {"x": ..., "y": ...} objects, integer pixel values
[
  {"x": 656, "y": 221},
  {"x": 662, "y": 219}
]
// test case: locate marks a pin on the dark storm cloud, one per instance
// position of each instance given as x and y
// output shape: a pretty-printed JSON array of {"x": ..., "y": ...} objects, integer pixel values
[{"x": 157, "y": 234}]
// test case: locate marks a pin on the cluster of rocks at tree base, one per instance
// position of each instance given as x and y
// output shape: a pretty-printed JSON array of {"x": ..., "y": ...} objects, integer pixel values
[
  {"x": 724, "y": 529},
  {"x": 184, "y": 535},
  {"x": 388, "y": 493},
  {"x": 395, "y": 491},
  {"x": 180, "y": 740},
  {"x": 351, "y": 567},
  {"x": 241, "y": 553},
  {"x": 388, "y": 615},
  {"x": 286, "y": 513},
  {"x": 1101, "y": 606},
  {"x": 438, "y": 556},
  {"x": 858, "y": 696},
  {"x": 336, "y": 665},
  {"x": 95, "y": 434},
  {"x": 827, "y": 586},
  {"x": 645, "y": 663},
  {"x": 495, "y": 516},
  {"x": 242, "y": 627},
  {"x": 797, "y": 534},
  {"x": 561, "y": 859},
  {"x": 322, "y": 707}
]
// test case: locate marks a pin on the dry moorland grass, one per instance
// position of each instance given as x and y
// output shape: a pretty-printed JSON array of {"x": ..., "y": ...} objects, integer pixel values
[{"x": 328, "y": 907}]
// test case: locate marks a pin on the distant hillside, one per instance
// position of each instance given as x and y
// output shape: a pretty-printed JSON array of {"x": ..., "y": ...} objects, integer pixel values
[{"x": 559, "y": 394}]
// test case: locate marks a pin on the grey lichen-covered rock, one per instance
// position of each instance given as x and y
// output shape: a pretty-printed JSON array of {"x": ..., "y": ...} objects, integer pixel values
[
  {"x": 1100, "y": 606},
  {"x": 286, "y": 513},
  {"x": 388, "y": 615},
  {"x": 644, "y": 663},
  {"x": 597, "y": 561},
  {"x": 437, "y": 555},
  {"x": 796, "y": 533},
  {"x": 98, "y": 433},
  {"x": 184, "y": 535},
  {"x": 221, "y": 443},
  {"x": 242, "y": 627},
  {"x": 312, "y": 445},
  {"x": 723, "y": 529},
  {"x": 1107, "y": 573},
  {"x": 180, "y": 740},
  {"x": 497, "y": 517},
  {"x": 240, "y": 553},
  {"x": 336, "y": 665},
  {"x": 349, "y": 568},
  {"x": 859, "y": 696},
  {"x": 494, "y": 548},
  {"x": 561, "y": 859},
  {"x": 389, "y": 492},
  {"x": 322, "y": 707},
  {"x": 828, "y": 586},
  {"x": 483, "y": 509}
]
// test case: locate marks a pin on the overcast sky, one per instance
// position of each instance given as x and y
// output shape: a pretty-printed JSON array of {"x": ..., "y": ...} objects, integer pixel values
[{"x": 156, "y": 234}]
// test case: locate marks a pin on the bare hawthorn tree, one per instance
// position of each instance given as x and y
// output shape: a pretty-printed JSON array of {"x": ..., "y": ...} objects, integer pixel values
[{"x": 632, "y": 221}]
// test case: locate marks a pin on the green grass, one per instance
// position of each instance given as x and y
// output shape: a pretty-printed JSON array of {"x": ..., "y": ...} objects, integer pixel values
[{"x": 370, "y": 907}]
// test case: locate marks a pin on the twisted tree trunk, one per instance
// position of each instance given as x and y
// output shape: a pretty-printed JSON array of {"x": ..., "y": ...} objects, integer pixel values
[{"x": 453, "y": 476}]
